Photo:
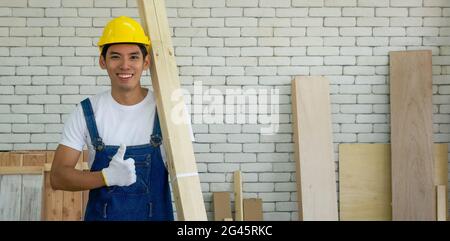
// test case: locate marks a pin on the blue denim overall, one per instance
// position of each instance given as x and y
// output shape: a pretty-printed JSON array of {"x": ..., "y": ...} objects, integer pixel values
[{"x": 148, "y": 198}]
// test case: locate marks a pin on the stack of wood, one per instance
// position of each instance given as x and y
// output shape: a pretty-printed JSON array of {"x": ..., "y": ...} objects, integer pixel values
[
  {"x": 25, "y": 191},
  {"x": 404, "y": 180},
  {"x": 249, "y": 209}
]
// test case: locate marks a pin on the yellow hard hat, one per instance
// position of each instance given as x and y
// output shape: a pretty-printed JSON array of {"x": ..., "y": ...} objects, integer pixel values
[{"x": 123, "y": 30}]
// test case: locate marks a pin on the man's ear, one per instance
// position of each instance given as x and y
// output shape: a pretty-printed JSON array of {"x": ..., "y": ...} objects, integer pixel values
[
  {"x": 102, "y": 62},
  {"x": 147, "y": 61}
]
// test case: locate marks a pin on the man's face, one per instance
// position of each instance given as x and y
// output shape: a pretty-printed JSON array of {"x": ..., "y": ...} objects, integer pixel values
[{"x": 124, "y": 63}]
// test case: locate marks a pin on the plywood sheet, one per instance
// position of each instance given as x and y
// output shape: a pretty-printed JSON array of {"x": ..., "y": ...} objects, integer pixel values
[
  {"x": 222, "y": 206},
  {"x": 413, "y": 190},
  {"x": 365, "y": 180},
  {"x": 313, "y": 149},
  {"x": 253, "y": 209}
]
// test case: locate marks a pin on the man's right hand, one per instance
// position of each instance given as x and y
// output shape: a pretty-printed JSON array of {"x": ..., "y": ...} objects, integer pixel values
[{"x": 120, "y": 172}]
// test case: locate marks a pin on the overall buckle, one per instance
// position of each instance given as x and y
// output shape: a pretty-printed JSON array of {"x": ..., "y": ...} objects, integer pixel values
[
  {"x": 100, "y": 146},
  {"x": 155, "y": 140}
]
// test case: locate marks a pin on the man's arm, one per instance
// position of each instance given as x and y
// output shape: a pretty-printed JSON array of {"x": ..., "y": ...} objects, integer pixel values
[{"x": 64, "y": 176}]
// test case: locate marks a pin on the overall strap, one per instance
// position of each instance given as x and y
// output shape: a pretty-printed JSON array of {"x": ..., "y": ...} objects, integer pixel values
[
  {"x": 156, "y": 137},
  {"x": 96, "y": 140}
]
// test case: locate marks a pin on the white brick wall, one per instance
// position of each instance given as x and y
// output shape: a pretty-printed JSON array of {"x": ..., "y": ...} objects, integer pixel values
[{"x": 49, "y": 62}]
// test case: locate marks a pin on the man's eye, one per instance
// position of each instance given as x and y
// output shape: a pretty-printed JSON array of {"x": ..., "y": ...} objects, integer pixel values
[
  {"x": 114, "y": 57},
  {"x": 135, "y": 57}
]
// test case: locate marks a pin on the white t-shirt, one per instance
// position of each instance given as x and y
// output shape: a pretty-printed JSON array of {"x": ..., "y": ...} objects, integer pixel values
[{"x": 116, "y": 124}]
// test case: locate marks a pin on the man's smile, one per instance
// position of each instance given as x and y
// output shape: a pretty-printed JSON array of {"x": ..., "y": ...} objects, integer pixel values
[{"x": 125, "y": 76}]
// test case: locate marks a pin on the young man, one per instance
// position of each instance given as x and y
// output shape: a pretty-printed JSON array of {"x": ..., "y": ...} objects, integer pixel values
[{"x": 128, "y": 179}]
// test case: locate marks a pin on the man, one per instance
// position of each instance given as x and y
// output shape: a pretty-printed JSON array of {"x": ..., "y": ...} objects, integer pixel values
[{"x": 128, "y": 179}]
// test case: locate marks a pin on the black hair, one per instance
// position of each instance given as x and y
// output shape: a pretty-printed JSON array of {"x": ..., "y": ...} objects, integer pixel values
[{"x": 141, "y": 47}]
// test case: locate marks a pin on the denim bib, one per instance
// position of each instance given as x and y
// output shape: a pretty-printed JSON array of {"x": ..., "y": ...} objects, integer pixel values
[{"x": 148, "y": 199}]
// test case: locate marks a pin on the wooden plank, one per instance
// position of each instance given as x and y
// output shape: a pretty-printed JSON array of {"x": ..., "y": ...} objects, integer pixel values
[
  {"x": 53, "y": 200},
  {"x": 441, "y": 177},
  {"x": 440, "y": 152},
  {"x": 238, "y": 203},
  {"x": 413, "y": 190},
  {"x": 15, "y": 170},
  {"x": 63, "y": 205},
  {"x": 10, "y": 159},
  {"x": 253, "y": 209},
  {"x": 222, "y": 206},
  {"x": 85, "y": 199},
  {"x": 79, "y": 166},
  {"x": 10, "y": 197},
  {"x": 365, "y": 182},
  {"x": 34, "y": 158},
  {"x": 176, "y": 138},
  {"x": 73, "y": 201},
  {"x": 31, "y": 205},
  {"x": 85, "y": 195},
  {"x": 16, "y": 159},
  {"x": 4, "y": 158},
  {"x": 317, "y": 194},
  {"x": 50, "y": 156},
  {"x": 441, "y": 203}
]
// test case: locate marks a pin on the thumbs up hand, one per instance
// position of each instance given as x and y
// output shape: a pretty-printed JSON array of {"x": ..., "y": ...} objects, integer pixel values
[{"x": 120, "y": 172}]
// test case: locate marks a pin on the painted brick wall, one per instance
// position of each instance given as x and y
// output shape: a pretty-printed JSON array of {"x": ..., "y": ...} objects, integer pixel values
[{"x": 48, "y": 63}]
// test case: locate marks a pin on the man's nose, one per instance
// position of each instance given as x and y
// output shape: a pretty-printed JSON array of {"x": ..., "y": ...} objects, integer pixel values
[{"x": 125, "y": 64}]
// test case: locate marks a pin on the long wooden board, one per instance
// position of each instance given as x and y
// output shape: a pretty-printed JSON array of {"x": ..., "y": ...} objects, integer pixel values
[
  {"x": 413, "y": 190},
  {"x": 317, "y": 194},
  {"x": 365, "y": 180},
  {"x": 441, "y": 179},
  {"x": 441, "y": 203},
  {"x": 176, "y": 138},
  {"x": 14, "y": 170},
  {"x": 238, "y": 203}
]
